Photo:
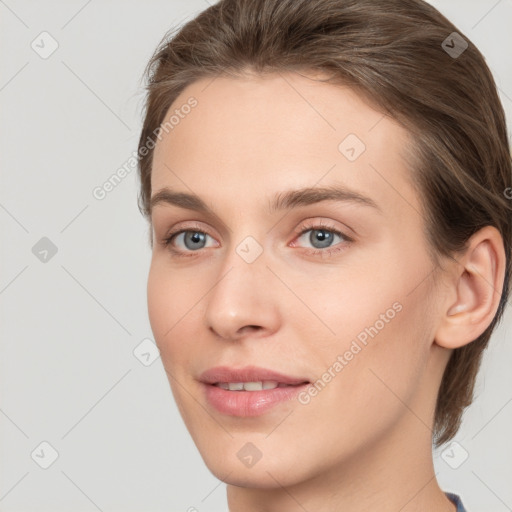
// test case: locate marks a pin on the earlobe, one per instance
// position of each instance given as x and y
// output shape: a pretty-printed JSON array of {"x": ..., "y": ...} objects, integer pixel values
[{"x": 478, "y": 277}]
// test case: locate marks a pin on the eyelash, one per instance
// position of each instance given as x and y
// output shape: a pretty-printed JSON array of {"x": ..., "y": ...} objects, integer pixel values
[{"x": 304, "y": 228}]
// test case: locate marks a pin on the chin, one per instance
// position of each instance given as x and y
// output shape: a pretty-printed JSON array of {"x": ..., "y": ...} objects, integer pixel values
[
  {"x": 239, "y": 462},
  {"x": 261, "y": 476}
]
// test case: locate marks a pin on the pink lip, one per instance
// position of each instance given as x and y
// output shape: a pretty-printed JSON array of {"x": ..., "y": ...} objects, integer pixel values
[
  {"x": 246, "y": 374},
  {"x": 248, "y": 403}
]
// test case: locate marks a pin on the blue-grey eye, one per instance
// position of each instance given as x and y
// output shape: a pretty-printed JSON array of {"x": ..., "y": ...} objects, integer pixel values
[
  {"x": 322, "y": 237},
  {"x": 193, "y": 240}
]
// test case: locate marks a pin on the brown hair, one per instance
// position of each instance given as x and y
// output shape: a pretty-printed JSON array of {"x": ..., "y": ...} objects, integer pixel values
[{"x": 396, "y": 54}]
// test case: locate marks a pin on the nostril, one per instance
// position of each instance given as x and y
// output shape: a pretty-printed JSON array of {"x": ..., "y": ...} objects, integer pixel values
[{"x": 249, "y": 328}]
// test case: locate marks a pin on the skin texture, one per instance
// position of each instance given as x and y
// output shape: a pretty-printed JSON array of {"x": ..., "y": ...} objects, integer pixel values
[{"x": 364, "y": 441}]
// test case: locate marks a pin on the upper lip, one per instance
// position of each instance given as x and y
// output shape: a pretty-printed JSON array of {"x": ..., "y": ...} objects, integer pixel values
[{"x": 247, "y": 374}]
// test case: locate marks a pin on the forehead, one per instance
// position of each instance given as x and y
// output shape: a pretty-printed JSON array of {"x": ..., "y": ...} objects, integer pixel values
[{"x": 260, "y": 134}]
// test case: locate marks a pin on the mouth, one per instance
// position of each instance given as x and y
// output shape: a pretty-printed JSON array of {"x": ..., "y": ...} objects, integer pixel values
[
  {"x": 254, "y": 386},
  {"x": 249, "y": 391}
]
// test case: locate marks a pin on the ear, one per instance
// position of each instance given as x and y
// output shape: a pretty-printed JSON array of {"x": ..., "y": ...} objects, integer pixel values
[{"x": 476, "y": 283}]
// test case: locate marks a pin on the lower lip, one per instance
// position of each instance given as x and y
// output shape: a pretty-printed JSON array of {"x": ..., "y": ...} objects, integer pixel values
[{"x": 249, "y": 403}]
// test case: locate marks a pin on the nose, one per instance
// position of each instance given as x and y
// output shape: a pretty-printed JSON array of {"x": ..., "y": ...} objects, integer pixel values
[{"x": 243, "y": 301}]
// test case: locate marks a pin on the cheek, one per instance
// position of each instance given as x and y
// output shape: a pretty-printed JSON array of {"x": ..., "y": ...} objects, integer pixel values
[
  {"x": 160, "y": 302},
  {"x": 382, "y": 334},
  {"x": 383, "y": 292},
  {"x": 351, "y": 305},
  {"x": 366, "y": 387},
  {"x": 174, "y": 322},
  {"x": 169, "y": 307}
]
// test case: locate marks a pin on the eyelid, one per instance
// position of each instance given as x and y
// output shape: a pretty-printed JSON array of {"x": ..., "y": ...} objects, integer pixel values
[
  {"x": 187, "y": 226},
  {"x": 305, "y": 226},
  {"x": 327, "y": 252},
  {"x": 312, "y": 224}
]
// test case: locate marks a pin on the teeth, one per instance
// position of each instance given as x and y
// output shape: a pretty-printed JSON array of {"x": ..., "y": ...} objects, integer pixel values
[
  {"x": 253, "y": 386},
  {"x": 249, "y": 386}
]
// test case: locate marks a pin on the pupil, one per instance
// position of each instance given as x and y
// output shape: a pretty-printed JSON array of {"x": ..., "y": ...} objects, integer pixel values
[
  {"x": 322, "y": 236},
  {"x": 195, "y": 237}
]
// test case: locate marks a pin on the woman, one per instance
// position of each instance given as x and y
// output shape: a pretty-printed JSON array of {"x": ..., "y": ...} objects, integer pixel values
[{"x": 325, "y": 182}]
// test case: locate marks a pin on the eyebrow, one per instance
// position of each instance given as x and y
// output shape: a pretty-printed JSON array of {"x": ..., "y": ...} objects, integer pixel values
[{"x": 281, "y": 201}]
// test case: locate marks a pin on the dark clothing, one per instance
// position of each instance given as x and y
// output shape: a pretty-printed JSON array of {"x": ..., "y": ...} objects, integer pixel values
[{"x": 456, "y": 501}]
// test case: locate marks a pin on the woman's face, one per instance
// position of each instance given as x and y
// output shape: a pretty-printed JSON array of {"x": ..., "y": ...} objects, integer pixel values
[{"x": 325, "y": 296}]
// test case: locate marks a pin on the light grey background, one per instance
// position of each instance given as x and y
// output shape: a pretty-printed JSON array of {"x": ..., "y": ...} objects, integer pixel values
[{"x": 70, "y": 325}]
